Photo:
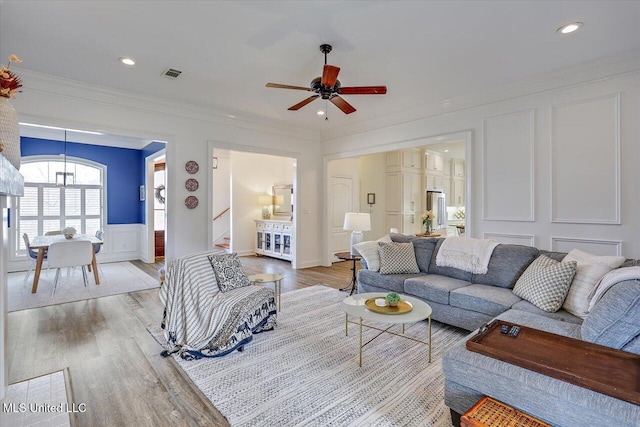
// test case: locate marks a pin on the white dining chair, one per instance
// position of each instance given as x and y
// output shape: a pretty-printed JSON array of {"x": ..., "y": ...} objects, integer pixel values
[
  {"x": 69, "y": 254},
  {"x": 33, "y": 255}
]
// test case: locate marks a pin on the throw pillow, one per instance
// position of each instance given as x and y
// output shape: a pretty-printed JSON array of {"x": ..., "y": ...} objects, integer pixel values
[
  {"x": 369, "y": 251},
  {"x": 591, "y": 268},
  {"x": 229, "y": 272},
  {"x": 397, "y": 258},
  {"x": 545, "y": 283}
]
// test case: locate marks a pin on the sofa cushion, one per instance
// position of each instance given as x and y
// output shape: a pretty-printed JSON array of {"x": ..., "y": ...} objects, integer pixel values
[
  {"x": 392, "y": 282},
  {"x": 433, "y": 287},
  {"x": 560, "y": 315},
  {"x": 545, "y": 283},
  {"x": 487, "y": 299},
  {"x": 506, "y": 265},
  {"x": 556, "y": 256},
  {"x": 424, "y": 247},
  {"x": 591, "y": 268},
  {"x": 446, "y": 271},
  {"x": 369, "y": 252},
  {"x": 397, "y": 258},
  {"x": 615, "y": 319},
  {"x": 401, "y": 238}
]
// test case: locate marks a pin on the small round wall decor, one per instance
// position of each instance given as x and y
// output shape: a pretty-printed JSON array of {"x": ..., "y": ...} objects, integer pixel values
[
  {"x": 191, "y": 184},
  {"x": 192, "y": 166},
  {"x": 191, "y": 202}
]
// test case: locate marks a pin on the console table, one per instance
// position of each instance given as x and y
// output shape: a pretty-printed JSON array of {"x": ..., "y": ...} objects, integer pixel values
[{"x": 275, "y": 238}]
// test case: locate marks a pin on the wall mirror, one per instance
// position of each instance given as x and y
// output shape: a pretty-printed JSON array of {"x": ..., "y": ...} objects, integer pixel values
[{"x": 283, "y": 200}]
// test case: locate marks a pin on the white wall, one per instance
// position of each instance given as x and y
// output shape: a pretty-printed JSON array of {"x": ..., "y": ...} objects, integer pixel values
[
  {"x": 371, "y": 169},
  {"x": 187, "y": 129},
  {"x": 556, "y": 168},
  {"x": 253, "y": 175},
  {"x": 221, "y": 195}
]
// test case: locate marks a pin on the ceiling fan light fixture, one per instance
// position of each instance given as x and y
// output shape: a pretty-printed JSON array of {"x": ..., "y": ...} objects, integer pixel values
[{"x": 569, "y": 28}]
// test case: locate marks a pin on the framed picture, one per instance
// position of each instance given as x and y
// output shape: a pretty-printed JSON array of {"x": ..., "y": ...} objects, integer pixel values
[
  {"x": 371, "y": 198},
  {"x": 142, "y": 193}
]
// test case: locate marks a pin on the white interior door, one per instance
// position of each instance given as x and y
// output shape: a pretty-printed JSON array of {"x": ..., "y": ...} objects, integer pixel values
[{"x": 341, "y": 201}]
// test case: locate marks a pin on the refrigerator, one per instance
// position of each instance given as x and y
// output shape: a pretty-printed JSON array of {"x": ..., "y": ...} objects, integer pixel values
[{"x": 436, "y": 204}]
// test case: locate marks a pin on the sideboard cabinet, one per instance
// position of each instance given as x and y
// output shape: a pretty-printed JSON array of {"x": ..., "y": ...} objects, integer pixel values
[{"x": 274, "y": 238}]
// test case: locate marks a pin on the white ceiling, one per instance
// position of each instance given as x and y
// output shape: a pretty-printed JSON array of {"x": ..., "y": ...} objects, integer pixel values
[{"x": 425, "y": 52}]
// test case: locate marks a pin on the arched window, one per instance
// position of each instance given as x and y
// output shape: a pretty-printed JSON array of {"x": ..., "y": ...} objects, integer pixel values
[{"x": 47, "y": 207}]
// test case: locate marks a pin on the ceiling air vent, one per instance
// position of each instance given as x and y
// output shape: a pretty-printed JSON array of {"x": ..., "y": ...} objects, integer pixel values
[{"x": 171, "y": 73}]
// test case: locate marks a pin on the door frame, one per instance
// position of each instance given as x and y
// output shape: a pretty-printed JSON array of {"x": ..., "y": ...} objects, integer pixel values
[{"x": 150, "y": 253}]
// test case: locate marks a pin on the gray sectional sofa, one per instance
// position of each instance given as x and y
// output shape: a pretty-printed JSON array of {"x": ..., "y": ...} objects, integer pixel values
[{"x": 469, "y": 301}]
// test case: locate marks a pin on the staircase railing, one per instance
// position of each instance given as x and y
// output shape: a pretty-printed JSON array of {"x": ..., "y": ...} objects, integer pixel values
[{"x": 222, "y": 213}]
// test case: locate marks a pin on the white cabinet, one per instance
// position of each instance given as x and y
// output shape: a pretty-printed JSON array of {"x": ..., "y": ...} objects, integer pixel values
[
  {"x": 434, "y": 162},
  {"x": 408, "y": 159},
  {"x": 458, "y": 192},
  {"x": 275, "y": 239},
  {"x": 404, "y": 201},
  {"x": 434, "y": 182},
  {"x": 458, "y": 168},
  {"x": 446, "y": 169}
]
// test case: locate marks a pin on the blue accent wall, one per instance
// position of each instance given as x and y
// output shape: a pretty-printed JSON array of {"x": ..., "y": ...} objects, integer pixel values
[{"x": 125, "y": 174}]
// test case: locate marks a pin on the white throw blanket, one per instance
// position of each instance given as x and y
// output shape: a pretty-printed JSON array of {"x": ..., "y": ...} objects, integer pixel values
[
  {"x": 612, "y": 278},
  {"x": 466, "y": 253}
]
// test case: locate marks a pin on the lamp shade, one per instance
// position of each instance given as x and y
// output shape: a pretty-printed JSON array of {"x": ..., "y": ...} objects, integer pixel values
[
  {"x": 357, "y": 221},
  {"x": 265, "y": 199}
]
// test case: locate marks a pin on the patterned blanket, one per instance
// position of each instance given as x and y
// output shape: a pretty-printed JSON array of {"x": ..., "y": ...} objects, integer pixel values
[{"x": 200, "y": 321}]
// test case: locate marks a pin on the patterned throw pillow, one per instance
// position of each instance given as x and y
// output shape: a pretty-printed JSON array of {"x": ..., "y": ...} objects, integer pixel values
[
  {"x": 229, "y": 272},
  {"x": 397, "y": 258},
  {"x": 545, "y": 283},
  {"x": 369, "y": 251}
]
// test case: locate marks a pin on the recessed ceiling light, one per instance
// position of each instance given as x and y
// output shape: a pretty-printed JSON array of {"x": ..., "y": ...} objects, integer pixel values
[
  {"x": 569, "y": 28},
  {"x": 446, "y": 151},
  {"x": 127, "y": 61},
  {"x": 320, "y": 113}
]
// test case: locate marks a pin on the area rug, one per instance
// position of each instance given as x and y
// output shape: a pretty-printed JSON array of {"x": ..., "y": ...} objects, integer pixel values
[
  {"x": 115, "y": 278},
  {"x": 305, "y": 372}
]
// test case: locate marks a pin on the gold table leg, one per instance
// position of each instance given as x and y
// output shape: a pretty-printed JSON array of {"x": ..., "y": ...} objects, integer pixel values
[
  {"x": 360, "y": 343},
  {"x": 346, "y": 325},
  {"x": 429, "y": 338}
]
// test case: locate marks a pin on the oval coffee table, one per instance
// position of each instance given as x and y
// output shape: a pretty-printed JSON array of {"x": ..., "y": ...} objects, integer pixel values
[{"x": 354, "y": 306}]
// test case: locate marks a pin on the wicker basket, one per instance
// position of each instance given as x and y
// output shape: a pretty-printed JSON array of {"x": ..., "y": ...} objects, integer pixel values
[{"x": 489, "y": 412}]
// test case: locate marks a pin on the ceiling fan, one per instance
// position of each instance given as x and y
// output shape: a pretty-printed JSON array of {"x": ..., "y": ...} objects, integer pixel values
[{"x": 328, "y": 87}]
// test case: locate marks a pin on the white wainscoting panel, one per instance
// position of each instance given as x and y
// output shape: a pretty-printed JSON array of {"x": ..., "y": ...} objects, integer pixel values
[
  {"x": 121, "y": 243},
  {"x": 585, "y": 161},
  {"x": 592, "y": 246},
  {"x": 512, "y": 239},
  {"x": 508, "y": 167}
]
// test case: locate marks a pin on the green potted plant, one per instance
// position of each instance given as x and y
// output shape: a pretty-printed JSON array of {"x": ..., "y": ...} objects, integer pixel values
[{"x": 393, "y": 299}]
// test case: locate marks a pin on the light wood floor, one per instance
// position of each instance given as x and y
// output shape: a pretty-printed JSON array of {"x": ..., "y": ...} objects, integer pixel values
[{"x": 114, "y": 363}]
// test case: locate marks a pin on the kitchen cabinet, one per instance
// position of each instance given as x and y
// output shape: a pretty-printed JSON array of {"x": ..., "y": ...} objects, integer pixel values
[
  {"x": 275, "y": 239},
  {"x": 411, "y": 192},
  {"x": 434, "y": 162},
  {"x": 458, "y": 192},
  {"x": 446, "y": 167},
  {"x": 404, "y": 201},
  {"x": 446, "y": 189},
  {"x": 409, "y": 159},
  {"x": 434, "y": 182},
  {"x": 458, "y": 168}
]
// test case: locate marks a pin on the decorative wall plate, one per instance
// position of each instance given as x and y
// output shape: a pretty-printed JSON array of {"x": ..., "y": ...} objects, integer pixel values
[
  {"x": 191, "y": 184},
  {"x": 191, "y": 202},
  {"x": 192, "y": 166}
]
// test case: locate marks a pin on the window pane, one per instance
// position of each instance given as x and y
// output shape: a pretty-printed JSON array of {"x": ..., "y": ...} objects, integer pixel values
[
  {"x": 51, "y": 201},
  {"x": 92, "y": 201},
  {"x": 92, "y": 225},
  {"x": 29, "y": 203},
  {"x": 87, "y": 175},
  {"x": 27, "y": 226},
  {"x": 72, "y": 202},
  {"x": 50, "y": 225}
]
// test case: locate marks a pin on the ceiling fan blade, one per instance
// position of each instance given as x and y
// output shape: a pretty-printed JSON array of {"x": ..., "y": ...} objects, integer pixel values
[
  {"x": 301, "y": 104},
  {"x": 330, "y": 75},
  {"x": 363, "y": 90},
  {"x": 342, "y": 104},
  {"x": 279, "y": 86}
]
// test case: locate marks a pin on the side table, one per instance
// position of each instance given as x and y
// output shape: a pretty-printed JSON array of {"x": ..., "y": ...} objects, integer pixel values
[
  {"x": 267, "y": 278},
  {"x": 354, "y": 281}
]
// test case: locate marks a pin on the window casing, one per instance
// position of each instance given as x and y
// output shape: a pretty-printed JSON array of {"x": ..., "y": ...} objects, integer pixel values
[{"x": 46, "y": 207}]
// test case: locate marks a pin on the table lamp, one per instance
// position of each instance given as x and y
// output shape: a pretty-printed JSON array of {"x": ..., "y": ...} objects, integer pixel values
[
  {"x": 356, "y": 223},
  {"x": 265, "y": 200}
]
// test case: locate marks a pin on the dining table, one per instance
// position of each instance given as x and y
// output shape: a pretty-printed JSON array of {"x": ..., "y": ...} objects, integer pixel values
[{"x": 41, "y": 243}]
